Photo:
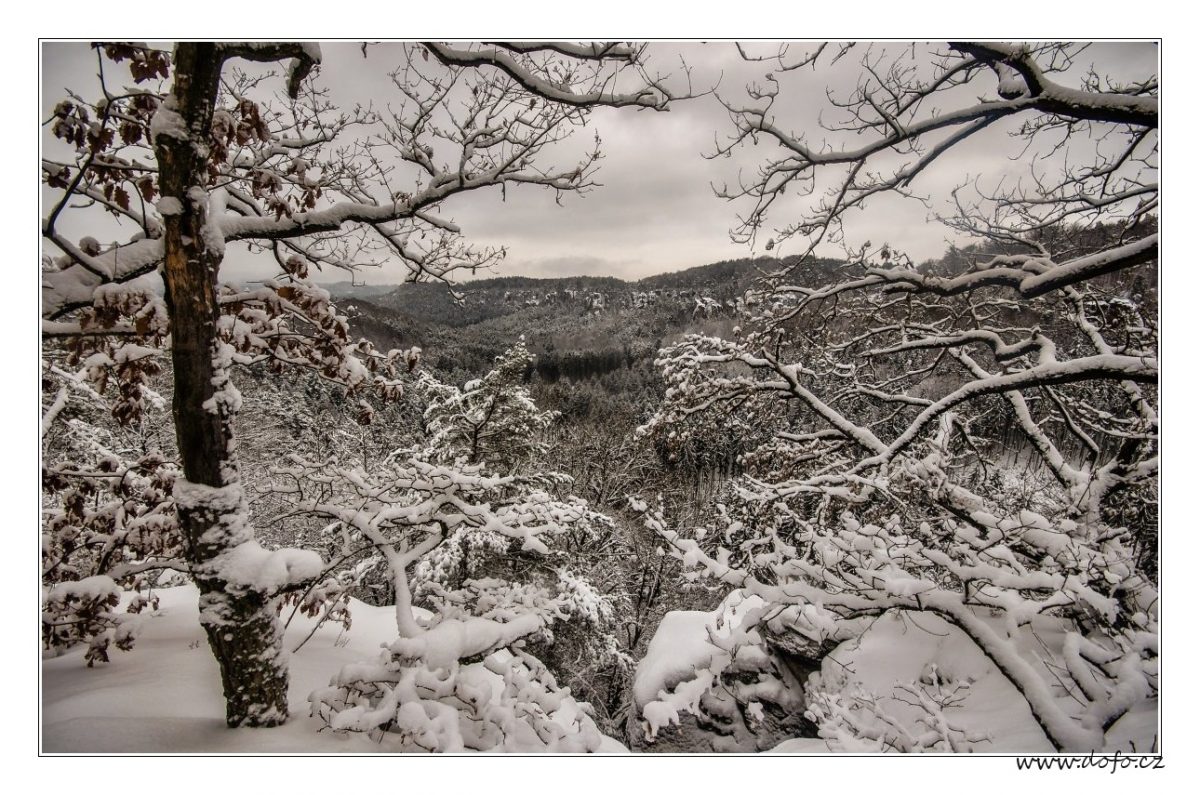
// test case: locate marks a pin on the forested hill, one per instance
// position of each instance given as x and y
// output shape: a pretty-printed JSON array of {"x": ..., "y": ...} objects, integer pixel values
[
  {"x": 489, "y": 298},
  {"x": 577, "y": 326}
]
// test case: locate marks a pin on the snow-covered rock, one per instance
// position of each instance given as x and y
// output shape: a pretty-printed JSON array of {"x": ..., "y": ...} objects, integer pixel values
[{"x": 707, "y": 686}]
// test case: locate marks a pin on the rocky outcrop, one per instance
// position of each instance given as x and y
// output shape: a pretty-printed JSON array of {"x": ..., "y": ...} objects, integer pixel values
[{"x": 713, "y": 683}]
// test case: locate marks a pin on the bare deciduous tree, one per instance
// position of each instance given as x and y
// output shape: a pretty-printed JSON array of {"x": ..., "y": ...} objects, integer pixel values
[{"x": 914, "y": 389}]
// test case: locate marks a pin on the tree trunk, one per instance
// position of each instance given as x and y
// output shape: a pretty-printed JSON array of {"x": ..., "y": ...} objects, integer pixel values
[{"x": 240, "y": 622}]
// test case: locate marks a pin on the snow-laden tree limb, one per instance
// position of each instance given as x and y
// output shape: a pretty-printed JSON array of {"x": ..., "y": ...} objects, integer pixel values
[{"x": 974, "y": 437}]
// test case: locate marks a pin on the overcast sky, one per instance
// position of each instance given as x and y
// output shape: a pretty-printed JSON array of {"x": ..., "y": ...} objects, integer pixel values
[{"x": 656, "y": 210}]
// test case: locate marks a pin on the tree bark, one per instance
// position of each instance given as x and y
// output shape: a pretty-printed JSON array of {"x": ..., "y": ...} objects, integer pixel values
[{"x": 240, "y": 622}]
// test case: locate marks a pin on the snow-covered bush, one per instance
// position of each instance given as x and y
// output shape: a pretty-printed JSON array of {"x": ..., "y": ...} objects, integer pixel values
[
  {"x": 855, "y": 721},
  {"x": 491, "y": 420},
  {"x": 478, "y": 574},
  {"x": 507, "y": 701},
  {"x": 108, "y": 516},
  {"x": 76, "y": 611},
  {"x": 406, "y": 512}
]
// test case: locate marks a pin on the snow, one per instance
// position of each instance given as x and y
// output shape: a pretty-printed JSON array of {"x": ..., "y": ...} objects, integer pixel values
[
  {"x": 685, "y": 696},
  {"x": 901, "y": 648},
  {"x": 801, "y": 745},
  {"x": 450, "y": 641},
  {"x": 220, "y": 499},
  {"x": 165, "y": 695},
  {"x": 678, "y": 650},
  {"x": 897, "y": 648},
  {"x": 249, "y": 565},
  {"x": 167, "y": 121},
  {"x": 89, "y": 588},
  {"x": 133, "y": 353},
  {"x": 213, "y": 206},
  {"x": 312, "y": 49},
  {"x": 681, "y": 647},
  {"x": 169, "y": 205}
]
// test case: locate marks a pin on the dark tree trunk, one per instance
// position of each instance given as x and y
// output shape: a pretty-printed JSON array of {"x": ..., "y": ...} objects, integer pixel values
[{"x": 240, "y": 622}]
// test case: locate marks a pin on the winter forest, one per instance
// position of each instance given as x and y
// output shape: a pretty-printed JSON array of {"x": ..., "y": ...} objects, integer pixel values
[{"x": 599, "y": 397}]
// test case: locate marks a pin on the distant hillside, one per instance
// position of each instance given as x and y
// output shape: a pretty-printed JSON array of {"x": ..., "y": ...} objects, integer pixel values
[
  {"x": 350, "y": 290},
  {"x": 386, "y": 327},
  {"x": 730, "y": 274},
  {"x": 578, "y": 326},
  {"x": 492, "y": 298}
]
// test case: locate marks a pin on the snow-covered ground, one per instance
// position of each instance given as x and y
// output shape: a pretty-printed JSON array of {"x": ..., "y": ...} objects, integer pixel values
[
  {"x": 896, "y": 648},
  {"x": 165, "y": 695},
  {"x": 907, "y": 647}
]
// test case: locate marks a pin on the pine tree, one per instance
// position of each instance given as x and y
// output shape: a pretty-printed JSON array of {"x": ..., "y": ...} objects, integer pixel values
[{"x": 491, "y": 421}]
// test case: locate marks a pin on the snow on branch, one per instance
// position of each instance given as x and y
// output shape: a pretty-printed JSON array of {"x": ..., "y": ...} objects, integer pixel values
[
  {"x": 922, "y": 104},
  {"x": 1053, "y": 98},
  {"x": 584, "y": 87},
  {"x": 865, "y": 570}
]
